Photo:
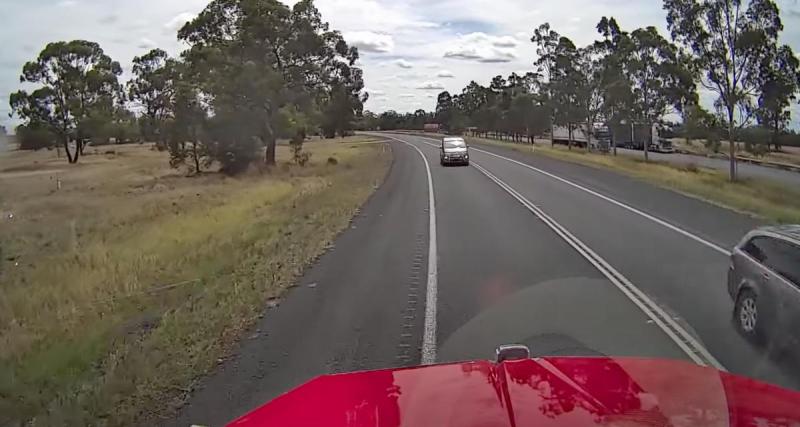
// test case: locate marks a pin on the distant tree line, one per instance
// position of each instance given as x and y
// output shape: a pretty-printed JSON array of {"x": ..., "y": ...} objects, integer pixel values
[
  {"x": 727, "y": 47},
  {"x": 255, "y": 71}
]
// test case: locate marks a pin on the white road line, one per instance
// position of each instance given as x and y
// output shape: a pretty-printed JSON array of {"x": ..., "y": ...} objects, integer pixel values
[
  {"x": 682, "y": 338},
  {"x": 429, "y": 333},
  {"x": 629, "y": 208},
  {"x": 685, "y": 341}
]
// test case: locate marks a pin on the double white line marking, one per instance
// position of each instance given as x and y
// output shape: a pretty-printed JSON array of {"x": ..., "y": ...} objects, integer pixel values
[
  {"x": 682, "y": 338},
  {"x": 696, "y": 351}
]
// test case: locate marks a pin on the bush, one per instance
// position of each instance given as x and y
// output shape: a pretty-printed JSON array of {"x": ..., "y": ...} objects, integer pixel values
[
  {"x": 692, "y": 167},
  {"x": 34, "y": 138},
  {"x": 299, "y": 157},
  {"x": 758, "y": 150},
  {"x": 712, "y": 143},
  {"x": 234, "y": 155},
  {"x": 332, "y": 161}
]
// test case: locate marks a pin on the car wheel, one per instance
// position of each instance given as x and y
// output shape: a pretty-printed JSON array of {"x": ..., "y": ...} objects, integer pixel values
[{"x": 747, "y": 316}]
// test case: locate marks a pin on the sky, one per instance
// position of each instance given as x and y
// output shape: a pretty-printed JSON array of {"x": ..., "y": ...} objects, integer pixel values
[{"x": 410, "y": 50}]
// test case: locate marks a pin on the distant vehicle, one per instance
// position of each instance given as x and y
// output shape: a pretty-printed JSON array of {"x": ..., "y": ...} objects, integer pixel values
[
  {"x": 454, "y": 150},
  {"x": 635, "y": 140},
  {"x": 764, "y": 282},
  {"x": 600, "y": 136},
  {"x": 432, "y": 127}
]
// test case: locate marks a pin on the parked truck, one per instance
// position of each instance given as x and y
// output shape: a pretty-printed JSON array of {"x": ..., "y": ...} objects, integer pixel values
[
  {"x": 432, "y": 127},
  {"x": 635, "y": 138},
  {"x": 599, "y": 132}
]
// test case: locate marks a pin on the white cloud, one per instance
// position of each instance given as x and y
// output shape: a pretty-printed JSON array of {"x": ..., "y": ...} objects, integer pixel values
[
  {"x": 108, "y": 19},
  {"x": 483, "y": 47},
  {"x": 368, "y": 41},
  {"x": 402, "y": 63},
  {"x": 488, "y": 55},
  {"x": 145, "y": 43},
  {"x": 482, "y": 38},
  {"x": 430, "y": 86},
  {"x": 179, "y": 21}
]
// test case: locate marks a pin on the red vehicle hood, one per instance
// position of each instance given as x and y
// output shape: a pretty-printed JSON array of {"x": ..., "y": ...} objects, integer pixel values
[{"x": 558, "y": 391}]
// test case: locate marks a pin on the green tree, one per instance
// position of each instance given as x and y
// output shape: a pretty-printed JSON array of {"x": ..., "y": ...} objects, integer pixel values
[
  {"x": 344, "y": 102},
  {"x": 445, "y": 109},
  {"x": 152, "y": 87},
  {"x": 617, "y": 103},
  {"x": 257, "y": 57},
  {"x": 778, "y": 86},
  {"x": 565, "y": 87},
  {"x": 78, "y": 81},
  {"x": 697, "y": 122},
  {"x": 590, "y": 88},
  {"x": 547, "y": 50},
  {"x": 34, "y": 136},
  {"x": 187, "y": 130},
  {"x": 729, "y": 40},
  {"x": 656, "y": 77}
]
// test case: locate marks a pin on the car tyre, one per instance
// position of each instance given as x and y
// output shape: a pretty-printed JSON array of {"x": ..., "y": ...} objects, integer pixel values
[{"x": 746, "y": 316}]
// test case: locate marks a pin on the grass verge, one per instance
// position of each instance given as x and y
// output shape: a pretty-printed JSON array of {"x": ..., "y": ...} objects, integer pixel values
[
  {"x": 122, "y": 287},
  {"x": 763, "y": 198}
]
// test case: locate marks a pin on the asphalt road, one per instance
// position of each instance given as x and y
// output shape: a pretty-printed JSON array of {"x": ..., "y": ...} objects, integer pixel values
[
  {"x": 745, "y": 170},
  {"x": 564, "y": 258}
]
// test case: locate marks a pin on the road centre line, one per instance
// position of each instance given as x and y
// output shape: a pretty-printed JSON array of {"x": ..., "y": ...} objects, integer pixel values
[
  {"x": 431, "y": 294},
  {"x": 685, "y": 341},
  {"x": 629, "y": 208},
  {"x": 682, "y": 338}
]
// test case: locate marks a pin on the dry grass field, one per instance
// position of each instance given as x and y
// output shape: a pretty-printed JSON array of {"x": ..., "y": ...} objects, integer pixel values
[{"x": 122, "y": 280}]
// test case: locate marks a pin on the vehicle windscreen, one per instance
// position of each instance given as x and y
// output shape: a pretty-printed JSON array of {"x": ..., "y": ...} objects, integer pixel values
[
  {"x": 327, "y": 189},
  {"x": 455, "y": 143}
]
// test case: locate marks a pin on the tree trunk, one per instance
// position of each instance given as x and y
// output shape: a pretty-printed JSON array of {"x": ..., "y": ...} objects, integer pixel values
[
  {"x": 731, "y": 145},
  {"x": 552, "y": 135},
  {"x": 588, "y": 134},
  {"x": 775, "y": 133},
  {"x": 569, "y": 138},
  {"x": 269, "y": 153},
  {"x": 731, "y": 148},
  {"x": 648, "y": 141},
  {"x": 196, "y": 157},
  {"x": 66, "y": 150},
  {"x": 613, "y": 143}
]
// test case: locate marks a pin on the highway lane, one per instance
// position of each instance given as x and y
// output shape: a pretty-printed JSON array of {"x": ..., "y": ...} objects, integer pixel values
[
  {"x": 683, "y": 276},
  {"x": 353, "y": 310},
  {"x": 503, "y": 277}
]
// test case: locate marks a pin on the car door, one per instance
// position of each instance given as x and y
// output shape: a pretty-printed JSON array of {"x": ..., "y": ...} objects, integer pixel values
[
  {"x": 783, "y": 258},
  {"x": 755, "y": 271}
]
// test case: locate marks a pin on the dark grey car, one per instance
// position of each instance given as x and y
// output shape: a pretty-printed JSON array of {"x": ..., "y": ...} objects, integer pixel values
[
  {"x": 764, "y": 282},
  {"x": 454, "y": 150}
]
